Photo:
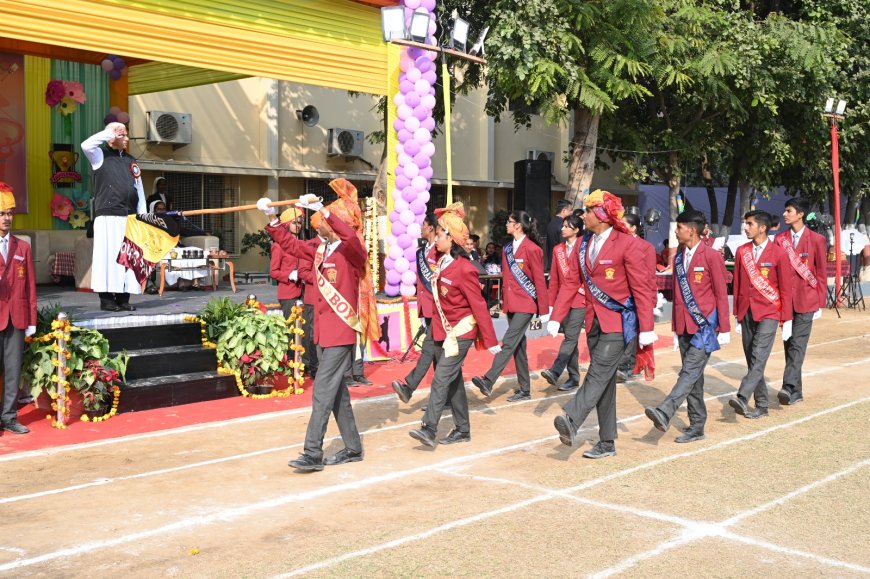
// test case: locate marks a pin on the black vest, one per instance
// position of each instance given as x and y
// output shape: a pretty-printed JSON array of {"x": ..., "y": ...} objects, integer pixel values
[{"x": 114, "y": 186}]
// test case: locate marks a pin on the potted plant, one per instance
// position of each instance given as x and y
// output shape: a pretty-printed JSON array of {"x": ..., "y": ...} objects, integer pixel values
[
  {"x": 215, "y": 317},
  {"x": 254, "y": 347},
  {"x": 98, "y": 384}
]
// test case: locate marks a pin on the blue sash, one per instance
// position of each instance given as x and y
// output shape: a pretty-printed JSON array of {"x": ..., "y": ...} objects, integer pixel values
[
  {"x": 518, "y": 272},
  {"x": 424, "y": 272},
  {"x": 628, "y": 311},
  {"x": 705, "y": 338}
]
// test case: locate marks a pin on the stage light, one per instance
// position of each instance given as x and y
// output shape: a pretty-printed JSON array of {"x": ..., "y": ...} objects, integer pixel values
[
  {"x": 829, "y": 105},
  {"x": 459, "y": 34},
  {"x": 419, "y": 25},
  {"x": 841, "y": 107},
  {"x": 478, "y": 46},
  {"x": 393, "y": 22}
]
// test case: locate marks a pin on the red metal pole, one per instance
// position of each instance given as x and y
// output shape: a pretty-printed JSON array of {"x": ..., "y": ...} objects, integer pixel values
[{"x": 835, "y": 162}]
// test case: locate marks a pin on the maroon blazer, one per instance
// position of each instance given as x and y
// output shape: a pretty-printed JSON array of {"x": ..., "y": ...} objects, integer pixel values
[
  {"x": 345, "y": 265},
  {"x": 458, "y": 288},
  {"x": 17, "y": 286},
  {"x": 706, "y": 275},
  {"x": 621, "y": 270},
  {"x": 306, "y": 274},
  {"x": 425, "y": 303},
  {"x": 566, "y": 292},
  {"x": 812, "y": 249},
  {"x": 281, "y": 265},
  {"x": 779, "y": 275},
  {"x": 530, "y": 257}
]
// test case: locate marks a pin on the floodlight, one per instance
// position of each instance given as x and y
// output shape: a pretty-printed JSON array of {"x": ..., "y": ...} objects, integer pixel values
[
  {"x": 393, "y": 22},
  {"x": 829, "y": 105},
  {"x": 478, "y": 46},
  {"x": 419, "y": 25},
  {"x": 459, "y": 34},
  {"x": 841, "y": 107}
]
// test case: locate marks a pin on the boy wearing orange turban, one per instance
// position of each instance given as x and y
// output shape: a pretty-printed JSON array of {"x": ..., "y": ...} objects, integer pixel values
[{"x": 17, "y": 308}]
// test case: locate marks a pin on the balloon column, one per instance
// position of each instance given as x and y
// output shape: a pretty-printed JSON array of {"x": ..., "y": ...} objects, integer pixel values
[
  {"x": 114, "y": 66},
  {"x": 414, "y": 124}
]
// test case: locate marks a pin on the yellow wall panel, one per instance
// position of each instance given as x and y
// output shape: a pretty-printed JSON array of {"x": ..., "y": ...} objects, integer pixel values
[{"x": 37, "y": 73}]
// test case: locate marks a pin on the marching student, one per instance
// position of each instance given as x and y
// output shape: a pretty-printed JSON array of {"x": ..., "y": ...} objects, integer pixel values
[
  {"x": 343, "y": 313},
  {"x": 461, "y": 318},
  {"x": 806, "y": 251},
  {"x": 762, "y": 299},
  {"x": 700, "y": 322},
  {"x": 524, "y": 294},
  {"x": 283, "y": 267},
  {"x": 569, "y": 305},
  {"x": 620, "y": 297},
  {"x": 427, "y": 266}
]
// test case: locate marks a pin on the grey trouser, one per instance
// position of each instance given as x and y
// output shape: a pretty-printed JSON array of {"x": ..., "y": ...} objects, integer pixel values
[
  {"x": 426, "y": 359},
  {"x": 690, "y": 385},
  {"x": 12, "y": 347},
  {"x": 795, "y": 351},
  {"x": 513, "y": 344},
  {"x": 599, "y": 387},
  {"x": 309, "y": 357},
  {"x": 448, "y": 385},
  {"x": 757, "y": 343},
  {"x": 568, "y": 352},
  {"x": 331, "y": 396}
]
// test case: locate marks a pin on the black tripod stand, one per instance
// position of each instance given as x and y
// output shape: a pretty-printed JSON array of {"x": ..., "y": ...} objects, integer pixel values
[
  {"x": 851, "y": 291},
  {"x": 421, "y": 331}
]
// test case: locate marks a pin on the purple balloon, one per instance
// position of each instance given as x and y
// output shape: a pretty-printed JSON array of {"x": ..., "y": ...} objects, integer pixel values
[
  {"x": 404, "y": 111},
  {"x": 394, "y": 216},
  {"x": 422, "y": 86},
  {"x": 399, "y": 229},
  {"x": 406, "y": 217},
  {"x": 389, "y": 262},
  {"x": 428, "y": 124},
  {"x": 110, "y": 118},
  {"x": 411, "y": 171},
  {"x": 429, "y": 76},
  {"x": 420, "y": 184},
  {"x": 408, "y": 291},
  {"x": 400, "y": 149},
  {"x": 405, "y": 160},
  {"x": 412, "y": 124},
  {"x": 391, "y": 290},
  {"x": 423, "y": 64},
  {"x": 422, "y": 160},
  {"x": 406, "y": 86},
  {"x": 414, "y": 75},
  {"x": 400, "y": 206},
  {"x": 429, "y": 148},
  {"x": 394, "y": 277},
  {"x": 405, "y": 241},
  {"x": 421, "y": 113},
  {"x": 413, "y": 99},
  {"x": 402, "y": 181},
  {"x": 422, "y": 136},
  {"x": 115, "y": 74},
  {"x": 426, "y": 100},
  {"x": 424, "y": 197},
  {"x": 427, "y": 172},
  {"x": 395, "y": 252},
  {"x": 411, "y": 254},
  {"x": 411, "y": 147},
  {"x": 418, "y": 206},
  {"x": 428, "y": 4},
  {"x": 398, "y": 125},
  {"x": 414, "y": 230},
  {"x": 402, "y": 265},
  {"x": 409, "y": 277},
  {"x": 409, "y": 195},
  {"x": 403, "y": 134}
]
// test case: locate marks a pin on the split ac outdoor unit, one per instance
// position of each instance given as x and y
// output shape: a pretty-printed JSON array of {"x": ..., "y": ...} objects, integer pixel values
[
  {"x": 535, "y": 155},
  {"x": 169, "y": 128},
  {"x": 344, "y": 142}
]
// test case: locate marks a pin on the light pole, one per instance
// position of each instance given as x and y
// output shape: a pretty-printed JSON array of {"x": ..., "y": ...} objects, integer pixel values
[{"x": 836, "y": 115}]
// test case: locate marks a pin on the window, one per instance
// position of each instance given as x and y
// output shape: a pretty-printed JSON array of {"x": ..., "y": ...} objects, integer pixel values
[{"x": 206, "y": 191}]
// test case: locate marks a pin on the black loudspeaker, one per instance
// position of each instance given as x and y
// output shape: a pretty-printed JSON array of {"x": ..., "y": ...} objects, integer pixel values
[{"x": 532, "y": 190}]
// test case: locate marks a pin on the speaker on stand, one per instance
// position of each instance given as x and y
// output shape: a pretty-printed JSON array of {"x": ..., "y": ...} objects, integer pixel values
[{"x": 532, "y": 190}]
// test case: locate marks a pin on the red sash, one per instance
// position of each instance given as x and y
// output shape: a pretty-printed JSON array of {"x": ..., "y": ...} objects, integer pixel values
[
  {"x": 760, "y": 283},
  {"x": 796, "y": 262}
]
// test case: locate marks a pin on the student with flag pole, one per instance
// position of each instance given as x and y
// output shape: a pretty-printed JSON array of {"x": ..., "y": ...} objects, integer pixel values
[
  {"x": 700, "y": 322},
  {"x": 524, "y": 294},
  {"x": 806, "y": 252},
  {"x": 461, "y": 318},
  {"x": 620, "y": 297},
  {"x": 762, "y": 300}
]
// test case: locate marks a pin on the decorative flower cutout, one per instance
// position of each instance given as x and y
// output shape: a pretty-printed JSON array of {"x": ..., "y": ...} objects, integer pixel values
[
  {"x": 67, "y": 106},
  {"x": 54, "y": 92},
  {"x": 61, "y": 207},
  {"x": 75, "y": 91},
  {"x": 78, "y": 219}
]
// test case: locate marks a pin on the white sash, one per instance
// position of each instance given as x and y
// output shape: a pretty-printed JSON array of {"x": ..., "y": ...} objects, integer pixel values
[{"x": 333, "y": 297}]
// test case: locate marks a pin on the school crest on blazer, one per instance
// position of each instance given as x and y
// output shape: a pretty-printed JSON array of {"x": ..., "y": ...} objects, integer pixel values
[
  {"x": 609, "y": 273},
  {"x": 331, "y": 275}
]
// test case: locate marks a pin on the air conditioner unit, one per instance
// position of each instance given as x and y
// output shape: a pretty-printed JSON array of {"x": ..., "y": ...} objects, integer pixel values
[
  {"x": 344, "y": 142},
  {"x": 169, "y": 128},
  {"x": 535, "y": 155}
]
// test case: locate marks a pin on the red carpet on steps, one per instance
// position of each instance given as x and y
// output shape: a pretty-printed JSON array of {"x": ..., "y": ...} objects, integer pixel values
[{"x": 541, "y": 352}]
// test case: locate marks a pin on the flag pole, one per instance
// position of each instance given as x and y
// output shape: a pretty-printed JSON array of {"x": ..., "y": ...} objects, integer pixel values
[{"x": 234, "y": 209}]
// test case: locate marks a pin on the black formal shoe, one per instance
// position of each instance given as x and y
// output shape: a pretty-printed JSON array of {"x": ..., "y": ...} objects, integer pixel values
[
  {"x": 658, "y": 418},
  {"x": 456, "y": 436},
  {"x": 306, "y": 463},
  {"x": 689, "y": 436},
  {"x": 759, "y": 412},
  {"x": 623, "y": 376},
  {"x": 739, "y": 405},
  {"x": 401, "y": 390},
  {"x": 784, "y": 396},
  {"x": 151, "y": 290},
  {"x": 424, "y": 435},
  {"x": 549, "y": 377},
  {"x": 343, "y": 456},
  {"x": 795, "y": 398},
  {"x": 127, "y": 307},
  {"x": 519, "y": 396},
  {"x": 603, "y": 449},
  {"x": 565, "y": 428},
  {"x": 568, "y": 386},
  {"x": 110, "y": 307},
  {"x": 483, "y": 384},
  {"x": 361, "y": 380},
  {"x": 16, "y": 427}
]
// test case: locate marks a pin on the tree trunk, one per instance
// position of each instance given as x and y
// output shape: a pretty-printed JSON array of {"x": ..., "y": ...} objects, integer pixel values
[
  {"x": 672, "y": 174},
  {"x": 711, "y": 192},
  {"x": 865, "y": 211},
  {"x": 582, "y": 166},
  {"x": 852, "y": 209},
  {"x": 745, "y": 198},
  {"x": 730, "y": 200}
]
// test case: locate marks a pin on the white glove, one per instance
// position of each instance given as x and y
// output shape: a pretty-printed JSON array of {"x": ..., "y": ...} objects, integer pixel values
[
  {"x": 738, "y": 327},
  {"x": 647, "y": 338},
  {"x": 553, "y": 328},
  {"x": 676, "y": 342},
  {"x": 724, "y": 338},
  {"x": 263, "y": 205},
  {"x": 311, "y": 202},
  {"x": 817, "y": 315},
  {"x": 786, "y": 331},
  {"x": 29, "y": 331},
  {"x": 422, "y": 322},
  {"x": 294, "y": 276},
  {"x": 495, "y": 350},
  {"x": 545, "y": 319}
]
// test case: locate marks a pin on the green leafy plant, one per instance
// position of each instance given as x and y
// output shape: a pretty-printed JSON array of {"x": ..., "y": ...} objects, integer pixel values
[
  {"x": 255, "y": 345},
  {"x": 97, "y": 381},
  {"x": 259, "y": 240},
  {"x": 216, "y": 314}
]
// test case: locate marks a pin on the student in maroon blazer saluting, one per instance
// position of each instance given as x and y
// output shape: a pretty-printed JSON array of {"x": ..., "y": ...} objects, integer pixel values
[
  {"x": 460, "y": 318},
  {"x": 524, "y": 294},
  {"x": 806, "y": 252},
  {"x": 620, "y": 297},
  {"x": 17, "y": 308},
  {"x": 283, "y": 267},
  {"x": 762, "y": 300},
  {"x": 344, "y": 313},
  {"x": 700, "y": 322}
]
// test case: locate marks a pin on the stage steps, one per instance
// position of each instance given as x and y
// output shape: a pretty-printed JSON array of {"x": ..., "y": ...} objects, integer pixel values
[{"x": 168, "y": 366}]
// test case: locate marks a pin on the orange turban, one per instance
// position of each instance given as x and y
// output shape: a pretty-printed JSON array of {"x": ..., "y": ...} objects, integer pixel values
[
  {"x": 7, "y": 199},
  {"x": 290, "y": 214},
  {"x": 607, "y": 207},
  {"x": 452, "y": 220}
]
